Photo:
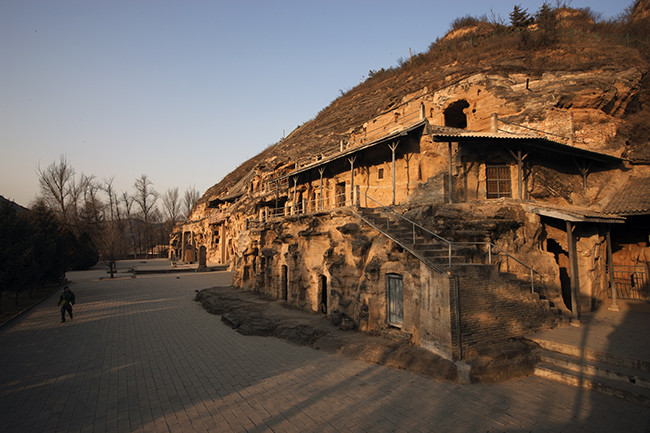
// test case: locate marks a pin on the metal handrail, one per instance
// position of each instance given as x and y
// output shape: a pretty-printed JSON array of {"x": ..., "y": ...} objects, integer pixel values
[
  {"x": 413, "y": 223},
  {"x": 490, "y": 246},
  {"x": 399, "y": 242}
]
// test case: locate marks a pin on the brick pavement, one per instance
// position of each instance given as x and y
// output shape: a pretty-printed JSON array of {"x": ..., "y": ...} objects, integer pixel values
[{"x": 141, "y": 356}]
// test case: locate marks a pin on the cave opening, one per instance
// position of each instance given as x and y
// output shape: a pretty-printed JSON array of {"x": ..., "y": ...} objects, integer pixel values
[{"x": 455, "y": 114}]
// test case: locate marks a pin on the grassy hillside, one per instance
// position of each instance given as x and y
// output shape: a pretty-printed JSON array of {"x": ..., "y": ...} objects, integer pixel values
[{"x": 561, "y": 39}]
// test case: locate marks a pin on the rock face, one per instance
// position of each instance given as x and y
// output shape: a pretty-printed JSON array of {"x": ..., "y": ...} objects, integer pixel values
[{"x": 464, "y": 202}]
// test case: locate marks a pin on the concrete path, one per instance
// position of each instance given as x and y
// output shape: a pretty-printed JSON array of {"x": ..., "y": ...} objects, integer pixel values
[
  {"x": 141, "y": 356},
  {"x": 623, "y": 333}
]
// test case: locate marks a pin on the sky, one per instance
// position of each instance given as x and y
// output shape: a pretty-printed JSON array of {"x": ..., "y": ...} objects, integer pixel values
[{"x": 185, "y": 91}]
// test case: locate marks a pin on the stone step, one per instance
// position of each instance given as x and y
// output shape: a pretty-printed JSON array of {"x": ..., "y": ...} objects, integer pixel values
[
  {"x": 455, "y": 260},
  {"x": 596, "y": 369},
  {"x": 622, "y": 390},
  {"x": 613, "y": 359}
]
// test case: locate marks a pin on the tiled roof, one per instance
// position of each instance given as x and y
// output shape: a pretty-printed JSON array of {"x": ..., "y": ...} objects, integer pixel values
[
  {"x": 632, "y": 199},
  {"x": 572, "y": 213},
  {"x": 445, "y": 133}
]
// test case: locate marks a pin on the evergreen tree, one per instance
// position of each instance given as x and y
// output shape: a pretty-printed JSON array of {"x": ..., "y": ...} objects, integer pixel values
[
  {"x": 519, "y": 18},
  {"x": 545, "y": 18}
]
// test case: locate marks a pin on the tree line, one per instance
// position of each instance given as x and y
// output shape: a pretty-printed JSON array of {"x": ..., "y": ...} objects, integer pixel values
[
  {"x": 119, "y": 224},
  {"x": 78, "y": 220}
]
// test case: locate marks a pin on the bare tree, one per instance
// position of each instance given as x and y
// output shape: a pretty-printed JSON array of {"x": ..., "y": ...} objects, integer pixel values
[
  {"x": 172, "y": 205},
  {"x": 56, "y": 187},
  {"x": 110, "y": 239},
  {"x": 189, "y": 199},
  {"x": 89, "y": 208},
  {"x": 128, "y": 208},
  {"x": 145, "y": 197}
]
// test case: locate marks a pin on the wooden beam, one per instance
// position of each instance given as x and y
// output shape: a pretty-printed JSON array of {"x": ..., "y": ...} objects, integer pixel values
[
  {"x": 392, "y": 147},
  {"x": 575, "y": 279},
  {"x": 610, "y": 268},
  {"x": 451, "y": 176}
]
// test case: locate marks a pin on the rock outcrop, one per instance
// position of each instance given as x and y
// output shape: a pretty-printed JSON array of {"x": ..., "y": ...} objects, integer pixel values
[{"x": 492, "y": 141}]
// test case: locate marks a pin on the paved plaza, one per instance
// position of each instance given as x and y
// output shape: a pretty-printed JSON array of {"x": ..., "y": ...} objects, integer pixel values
[{"x": 142, "y": 356}]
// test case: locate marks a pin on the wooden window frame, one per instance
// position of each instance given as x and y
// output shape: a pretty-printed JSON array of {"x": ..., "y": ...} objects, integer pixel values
[{"x": 500, "y": 182}]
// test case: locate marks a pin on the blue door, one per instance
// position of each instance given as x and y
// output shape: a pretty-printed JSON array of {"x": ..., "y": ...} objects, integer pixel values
[{"x": 395, "y": 301}]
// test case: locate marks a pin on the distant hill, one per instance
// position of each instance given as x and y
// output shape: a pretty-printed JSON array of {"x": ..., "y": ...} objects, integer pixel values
[{"x": 19, "y": 208}]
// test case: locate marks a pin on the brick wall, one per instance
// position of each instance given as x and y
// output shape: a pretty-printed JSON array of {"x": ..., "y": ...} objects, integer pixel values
[{"x": 494, "y": 309}]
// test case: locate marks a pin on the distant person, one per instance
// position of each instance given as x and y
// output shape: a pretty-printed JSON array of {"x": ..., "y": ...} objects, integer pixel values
[{"x": 66, "y": 301}]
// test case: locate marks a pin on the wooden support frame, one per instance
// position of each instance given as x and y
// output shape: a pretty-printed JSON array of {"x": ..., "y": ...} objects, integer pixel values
[
  {"x": 321, "y": 170},
  {"x": 575, "y": 279},
  {"x": 393, "y": 146},
  {"x": 351, "y": 160},
  {"x": 451, "y": 174},
  {"x": 584, "y": 170},
  {"x": 519, "y": 159}
]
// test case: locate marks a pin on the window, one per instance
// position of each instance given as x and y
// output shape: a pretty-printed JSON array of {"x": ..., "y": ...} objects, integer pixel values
[
  {"x": 380, "y": 173},
  {"x": 498, "y": 181}
]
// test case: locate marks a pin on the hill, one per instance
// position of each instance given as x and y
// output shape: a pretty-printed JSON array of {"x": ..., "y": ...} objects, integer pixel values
[
  {"x": 576, "y": 43},
  {"x": 18, "y": 208}
]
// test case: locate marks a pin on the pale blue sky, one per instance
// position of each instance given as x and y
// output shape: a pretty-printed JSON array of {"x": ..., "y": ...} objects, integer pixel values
[{"x": 185, "y": 91}]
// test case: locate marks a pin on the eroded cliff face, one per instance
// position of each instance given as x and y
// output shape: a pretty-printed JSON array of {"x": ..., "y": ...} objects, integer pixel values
[
  {"x": 345, "y": 260},
  {"x": 282, "y": 220}
]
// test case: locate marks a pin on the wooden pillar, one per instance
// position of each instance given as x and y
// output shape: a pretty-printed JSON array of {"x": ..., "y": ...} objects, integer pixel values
[
  {"x": 583, "y": 168},
  {"x": 222, "y": 241},
  {"x": 393, "y": 147},
  {"x": 351, "y": 161},
  {"x": 519, "y": 157},
  {"x": 610, "y": 268},
  {"x": 295, "y": 196},
  {"x": 451, "y": 176},
  {"x": 182, "y": 258},
  {"x": 321, "y": 170},
  {"x": 575, "y": 280},
  {"x": 520, "y": 174},
  {"x": 494, "y": 123}
]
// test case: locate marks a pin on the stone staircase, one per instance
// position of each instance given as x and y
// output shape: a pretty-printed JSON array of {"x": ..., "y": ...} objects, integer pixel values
[
  {"x": 436, "y": 250},
  {"x": 613, "y": 374},
  {"x": 470, "y": 251}
]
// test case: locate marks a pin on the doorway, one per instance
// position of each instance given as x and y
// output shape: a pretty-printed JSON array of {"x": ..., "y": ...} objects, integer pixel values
[
  {"x": 284, "y": 283},
  {"x": 323, "y": 294},
  {"x": 395, "y": 300},
  {"x": 339, "y": 193},
  {"x": 562, "y": 259}
]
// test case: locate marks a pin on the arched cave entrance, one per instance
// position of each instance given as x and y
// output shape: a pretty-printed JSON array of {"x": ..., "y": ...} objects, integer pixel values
[
  {"x": 562, "y": 259},
  {"x": 323, "y": 294},
  {"x": 455, "y": 114},
  {"x": 284, "y": 283}
]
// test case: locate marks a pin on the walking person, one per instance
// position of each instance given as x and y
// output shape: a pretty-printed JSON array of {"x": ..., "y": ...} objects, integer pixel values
[{"x": 66, "y": 301}]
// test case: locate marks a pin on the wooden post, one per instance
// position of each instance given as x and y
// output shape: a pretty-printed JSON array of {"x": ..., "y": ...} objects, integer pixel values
[
  {"x": 295, "y": 196},
  {"x": 571, "y": 129},
  {"x": 575, "y": 280},
  {"x": 351, "y": 161},
  {"x": 182, "y": 245},
  {"x": 321, "y": 170},
  {"x": 392, "y": 147},
  {"x": 610, "y": 267},
  {"x": 520, "y": 174},
  {"x": 494, "y": 123},
  {"x": 222, "y": 241},
  {"x": 451, "y": 176}
]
